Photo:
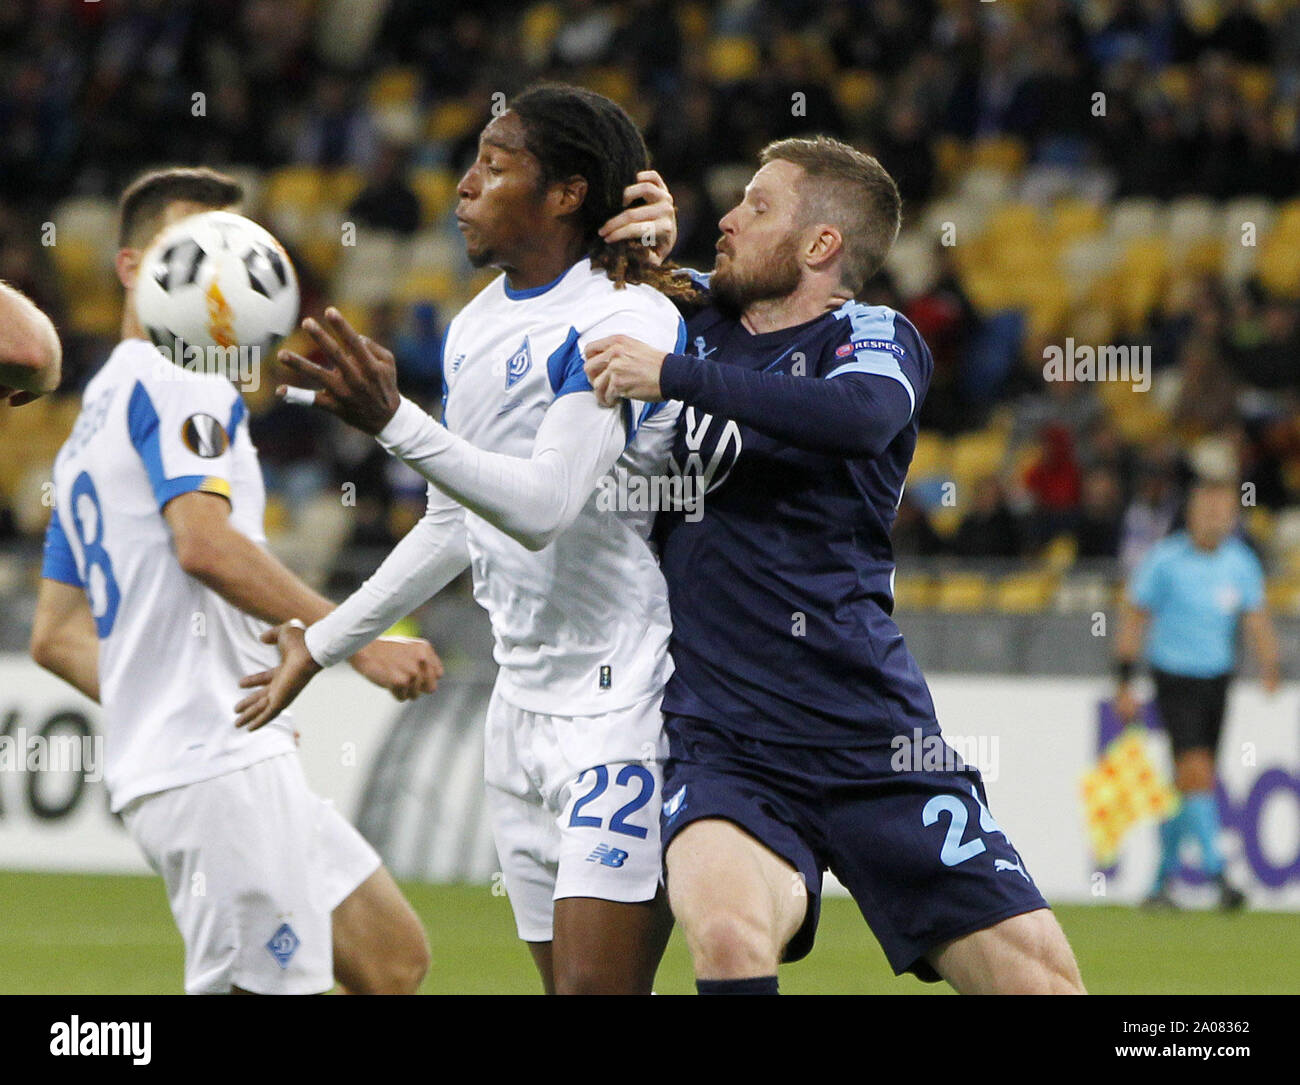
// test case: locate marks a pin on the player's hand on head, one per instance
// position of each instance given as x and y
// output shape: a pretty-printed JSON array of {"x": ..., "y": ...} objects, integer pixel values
[
  {"x": 405, "y": 666},
  {"x": 356, "y": 378},
  {"x": 620, "y": 367},
  {"x": 653, "y": 222},
  {"x": 275, "y": 690}
]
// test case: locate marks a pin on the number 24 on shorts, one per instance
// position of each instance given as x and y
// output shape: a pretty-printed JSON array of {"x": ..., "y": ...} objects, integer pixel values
[{"x": 629, "y": 777}]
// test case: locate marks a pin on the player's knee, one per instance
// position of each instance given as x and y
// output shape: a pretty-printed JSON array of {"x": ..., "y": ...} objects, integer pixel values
[
  {"x": 731, "y": 945},
  {"x": 400, "y": 968}
]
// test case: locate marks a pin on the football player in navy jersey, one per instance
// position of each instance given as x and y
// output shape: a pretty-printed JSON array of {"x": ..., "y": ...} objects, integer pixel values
[{"x": 793, "y": 686}]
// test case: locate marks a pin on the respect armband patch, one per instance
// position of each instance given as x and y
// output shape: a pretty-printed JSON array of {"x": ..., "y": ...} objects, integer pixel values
[{"x": 869, "y": 344}]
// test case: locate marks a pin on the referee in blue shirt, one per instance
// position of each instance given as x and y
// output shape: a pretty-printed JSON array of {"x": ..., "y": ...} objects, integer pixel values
[{"x": 1181, "y": 615}]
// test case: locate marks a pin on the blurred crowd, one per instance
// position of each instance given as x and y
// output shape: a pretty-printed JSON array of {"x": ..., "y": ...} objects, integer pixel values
[{"x": 1123, "y": 98}]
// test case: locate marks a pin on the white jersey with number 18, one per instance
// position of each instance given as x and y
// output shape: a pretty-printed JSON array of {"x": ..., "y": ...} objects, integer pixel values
[{"x": 171, "y": 651}]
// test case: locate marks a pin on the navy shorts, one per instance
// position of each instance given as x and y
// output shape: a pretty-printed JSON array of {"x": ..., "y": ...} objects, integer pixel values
[{"x": 918, "y": 850}]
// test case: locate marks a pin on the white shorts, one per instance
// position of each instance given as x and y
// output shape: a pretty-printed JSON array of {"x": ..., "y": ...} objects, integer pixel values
[
  {"x": 574, "y": 803},
  {"x": 255, "y": 863}
]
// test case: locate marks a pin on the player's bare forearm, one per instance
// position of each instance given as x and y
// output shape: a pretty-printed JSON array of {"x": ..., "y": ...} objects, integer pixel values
[
  {"x": 30, "y": 353},
  {"x": 244, "y": 574},
  {"x": 1132, "y": 631},
  {"x": 64, "y": 640},
  {"x": 1262, "y": 640}
]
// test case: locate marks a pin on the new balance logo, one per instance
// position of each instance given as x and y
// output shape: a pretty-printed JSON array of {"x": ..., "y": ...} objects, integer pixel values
[{"x": 607, "y": 856}]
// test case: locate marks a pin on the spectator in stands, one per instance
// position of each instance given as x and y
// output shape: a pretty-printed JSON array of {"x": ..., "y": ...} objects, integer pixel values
[
  {"x": 912, "y": 534},
  {"x": 387, "y": 202},
  {"x": 335, "y": 131},
  {"x": 1054, "y": 482},
  {"x": 1202, "y": 394},
  {"x": 1151, "y": 514},
  {"x": 989, "y": 529},
  {"x": 1101, "y": 509}
]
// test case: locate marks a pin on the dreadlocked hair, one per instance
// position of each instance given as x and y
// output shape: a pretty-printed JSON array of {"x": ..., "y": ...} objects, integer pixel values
[{"x": 572, "y": 131}]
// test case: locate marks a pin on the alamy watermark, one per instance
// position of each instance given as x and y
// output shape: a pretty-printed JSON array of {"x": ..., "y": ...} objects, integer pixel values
[
  {"x": 624, "y": 491},
  {"x": 919, "y": 752},
  {"x": 1120, "y": 364},
  {"x": 241, "y": 365},
  {"x": 24, "y": 751}
]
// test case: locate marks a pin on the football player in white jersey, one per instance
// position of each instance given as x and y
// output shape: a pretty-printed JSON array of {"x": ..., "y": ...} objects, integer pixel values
[
  {"x": 517, "y": 472},
  {"x": 30, "y": 353},
  {"x": 156, "y": 585}
]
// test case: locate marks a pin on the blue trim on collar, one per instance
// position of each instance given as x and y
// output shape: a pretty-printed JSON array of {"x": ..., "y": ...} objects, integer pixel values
[{"x": 536, "y": 291}]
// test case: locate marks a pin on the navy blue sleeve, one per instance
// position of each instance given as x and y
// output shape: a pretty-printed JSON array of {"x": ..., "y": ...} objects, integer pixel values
[{"x": 854, "y": 415}]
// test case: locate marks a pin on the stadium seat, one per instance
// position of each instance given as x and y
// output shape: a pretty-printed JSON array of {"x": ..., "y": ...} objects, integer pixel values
[
  {"x": 1025, "y": 593},
  {"x": 1278, "y": 266},
  {"x": 856, "y": 92},
  {"x": 951, "y": 157},
  {"x": 1192, "y": 219},
  {"x": 370, "y": 269},
  {"x": 985, "y": 187},
  {"x": 1135, "y": 217},
  {"x": 1073, "y": 219},
  {"x": 397, "y": 86},
  {"x": 1004, "y": 154},
  {"x": 537, "y": 29},
  {"x": 1060, "y": 553},
  {"x": 295, "y": 198},
  {"x": 732, "y": 59},
  {"x": 962, "y": 593},
  {"x": 436, "y": 189},
  {"x": 451, "y": 121},
  {"x": 915, "y": 592},
  {"x": 931, "y": 458},
  {"x": 976, "y": 456}
]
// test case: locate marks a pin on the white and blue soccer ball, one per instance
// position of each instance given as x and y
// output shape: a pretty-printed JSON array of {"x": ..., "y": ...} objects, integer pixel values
[{"x": 215, "y": 280}]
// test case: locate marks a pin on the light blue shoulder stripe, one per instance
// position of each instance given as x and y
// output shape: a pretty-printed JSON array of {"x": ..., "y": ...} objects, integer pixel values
[{"x": 874, "y": 325}]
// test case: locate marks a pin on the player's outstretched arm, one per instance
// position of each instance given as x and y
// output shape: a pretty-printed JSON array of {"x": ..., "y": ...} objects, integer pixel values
[
  {"x": 432, "y": 554},
  {"x": 64, "y": 640},
  {"x": 853, "y": 415},
  {"x": 249, "y": 577},
  {"x": 532, "y": 500},
  {"x": 30, "y": 353}
]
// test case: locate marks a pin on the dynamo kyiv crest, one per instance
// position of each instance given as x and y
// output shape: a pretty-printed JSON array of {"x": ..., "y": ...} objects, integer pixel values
[{"x": 521, "y": 361}]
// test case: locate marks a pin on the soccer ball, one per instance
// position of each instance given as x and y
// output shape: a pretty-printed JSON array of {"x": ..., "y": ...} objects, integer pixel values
[{"x": 215, "y": 280}]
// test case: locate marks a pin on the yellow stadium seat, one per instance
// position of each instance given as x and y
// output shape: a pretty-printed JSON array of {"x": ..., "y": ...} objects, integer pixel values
[
  {"x": 1287, "y": 223},
  {"x": 1282, "y": 594},
  {"x": 951, "y": 156},
  {"x": 732, "y": 59},
  {"x": 1175, "y": 83},
  {"x": 914, "y": 592},
  {"x": 977, "y": 455},
  {"x": 962, "y": 593},
  {"x": 1073, "y": 219},
  {"x": 394, "y": 87},
  {"x": 856, "y": 91},
  {"x": 451, "y": 121},
  {"x": 693, "y": 20},
  {"x": 1278, "y": 267},
  {"x": 1025, "y": 593},
  {"x": 436, "y": 189},
  {"x": 1004, "y": 154},
  {"x": 1060, "y": 553},
  {"x": 300, "y": 187},
  {"x": 1013, "y": 222},
  {"x": 614, "y": 83},
  {"x": 931, "y": 456},
  {"x": 342, "y": 186},
  {"x": 537, "y": 30},
  {"x": 1255, "y": 85},
  {"x": 425, "y": 284}
]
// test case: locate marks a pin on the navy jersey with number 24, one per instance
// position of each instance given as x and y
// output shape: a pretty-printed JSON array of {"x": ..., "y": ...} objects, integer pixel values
[{"x": 782, "y": 590}]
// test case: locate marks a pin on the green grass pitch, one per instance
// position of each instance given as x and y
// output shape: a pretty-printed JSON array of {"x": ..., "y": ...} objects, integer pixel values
[{"x": 96, "y": 934}]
